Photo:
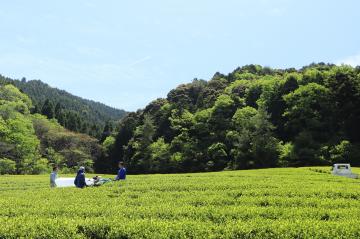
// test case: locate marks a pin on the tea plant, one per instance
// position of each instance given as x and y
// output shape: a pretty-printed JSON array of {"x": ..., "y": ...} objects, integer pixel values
[{"x": 267, "y": 203}]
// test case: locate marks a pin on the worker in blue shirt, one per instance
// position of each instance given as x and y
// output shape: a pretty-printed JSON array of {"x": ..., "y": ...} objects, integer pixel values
[
  {"x": 80, "y": 178},
  {"x": 122, "y": 172}
]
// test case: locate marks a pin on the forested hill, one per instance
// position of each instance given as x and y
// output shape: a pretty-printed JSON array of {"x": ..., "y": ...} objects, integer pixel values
[
  {"x": 254, "y": 117},
  {"x": 32, "y": 144},
  {"x": 74, "y": 113}
]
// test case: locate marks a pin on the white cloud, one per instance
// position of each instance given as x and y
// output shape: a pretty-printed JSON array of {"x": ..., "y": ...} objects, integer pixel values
[
  {"x": 139, "y": 61},
  {"x": 350, "y": 60}
]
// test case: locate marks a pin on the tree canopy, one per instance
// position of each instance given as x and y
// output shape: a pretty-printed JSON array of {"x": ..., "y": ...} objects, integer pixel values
[
  {"x": 254, "y": 117},
  {"x": 31, "y": 143}
]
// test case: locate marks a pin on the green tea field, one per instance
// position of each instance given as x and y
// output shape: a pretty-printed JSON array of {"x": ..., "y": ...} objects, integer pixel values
[{"x": 266, "y": 203}]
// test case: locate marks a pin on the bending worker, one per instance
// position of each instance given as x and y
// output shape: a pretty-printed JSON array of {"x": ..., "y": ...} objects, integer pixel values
[{"x": 80, "y": 178}]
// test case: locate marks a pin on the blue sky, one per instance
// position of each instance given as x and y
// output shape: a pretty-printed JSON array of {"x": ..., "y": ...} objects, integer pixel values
[{"x": 127, "y": 53}]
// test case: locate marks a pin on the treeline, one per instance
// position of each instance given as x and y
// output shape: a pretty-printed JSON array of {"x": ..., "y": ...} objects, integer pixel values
[
  {"x": 72, "y": 112},
  {"x": 254, "y": 117},
  {"x": 32, "y": 144}
]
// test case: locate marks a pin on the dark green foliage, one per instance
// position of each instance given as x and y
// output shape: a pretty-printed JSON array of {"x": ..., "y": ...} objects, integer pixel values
[
  {"x": 252, "y": 118},
  {"x": 48, "y": 109},
  {"x": 107, "y": 131},
  {"x": 108, "y": 162},
  {"x": 72, "y": 112}
]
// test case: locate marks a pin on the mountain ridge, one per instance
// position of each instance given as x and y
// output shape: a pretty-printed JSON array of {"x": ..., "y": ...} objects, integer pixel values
[{"x": 89, "y": 116}]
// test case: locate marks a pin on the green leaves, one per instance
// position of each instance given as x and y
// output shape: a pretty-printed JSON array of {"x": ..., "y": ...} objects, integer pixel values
[
  {"x": 160, "y": 156},
  {"x": 64, "y": 148},
  {"x": 13, "y": 94},
  {"x": 242, "y": 117},
  {"x": 7, "y": 166},
  {"x": 262, "y": 203},
  {"x": 26, "y": 139},
  {"x": 264, "y": 118},
  {"x": 16, "y": 130}
]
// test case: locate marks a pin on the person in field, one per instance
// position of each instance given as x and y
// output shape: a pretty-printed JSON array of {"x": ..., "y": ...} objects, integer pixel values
[
  {"x": 121, "y": 173},
  {"x": 80, "y": 178},
  {"x": 98, "y": 181},
  {"x": 53, "y": 177}
]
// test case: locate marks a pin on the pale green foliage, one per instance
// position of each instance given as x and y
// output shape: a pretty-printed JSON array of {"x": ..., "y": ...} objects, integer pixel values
[
  {"x": 146, "y": 131},
  {"x": 11, "y": 93},
  {"x": 307, "y": 112},
  {"x": 202, "y": 116},
  {"x": 343, "y": 152},
  {"x": 245, "y": 76},
  {"x": 4, "y": 129},
  {"x": 312, "y": 76},
  {"x": 41, "y": 166},
  {"x": 223, "y": 102},
  {"x": 253, "y": 141},
  {"x": 7, "y": 166},
  {"x": 16, "y": 129},
  {"x": 109, "y": 143},
  {"x": 160, "y": 155},
  {"x": 23, "y": 136},
  {"x": 143, "y": 137},
  {"x": 286, "y": 153},
  {"x": 217, "y": 153},
  {"x": 264, "y": 144},
  {"x": 201, "y": 122},
  {"x": 293, "y": 76},
  {"x": 267, "y": 203},
  {"x": 176, "y": 158},
  {"x": 10, "y": 109},
  {"x": 307, "y": 103},
  {"x": 340, "y": 153},
  {"x": 159, "y": 150},
  {"x": 239, "y": 87},
  {"x": 181, "y": 120},
  {"x": 242, "y": 117}
]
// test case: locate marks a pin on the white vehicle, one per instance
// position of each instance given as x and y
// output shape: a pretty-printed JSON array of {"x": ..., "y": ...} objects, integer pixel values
[
  {"x": 69, "y": 182},
  {"x": 343, "y": 169}
]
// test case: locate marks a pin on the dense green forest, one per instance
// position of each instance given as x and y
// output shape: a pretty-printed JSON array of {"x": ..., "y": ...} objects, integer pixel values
[
  {"x": 254, "y": 117},
  {"x": 72, "y": 112},
  {"x": 31, "y": 143}
]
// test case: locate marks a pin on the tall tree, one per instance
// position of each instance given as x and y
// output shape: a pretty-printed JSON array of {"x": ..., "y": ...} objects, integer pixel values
[{"x": 48, "y": 109}]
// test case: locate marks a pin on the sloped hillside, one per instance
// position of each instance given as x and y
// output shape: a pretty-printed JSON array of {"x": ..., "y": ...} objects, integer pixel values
[
  {"x": 32, "y": 144},
  {"x": 72, "y": 112}
]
